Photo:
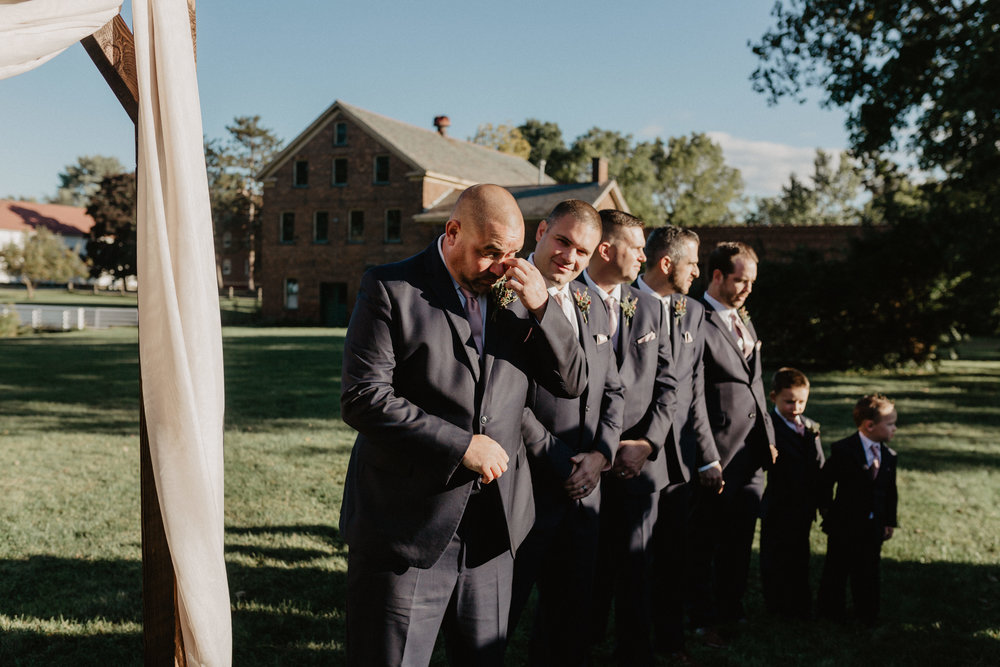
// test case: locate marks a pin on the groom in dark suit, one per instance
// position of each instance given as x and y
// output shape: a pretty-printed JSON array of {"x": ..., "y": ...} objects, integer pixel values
[
  {"x": 438, "y": 494},
  {"x": 725, "y": 519},
  {"x": 671, "y": 267},
  {"x": 570, "y": 442}
]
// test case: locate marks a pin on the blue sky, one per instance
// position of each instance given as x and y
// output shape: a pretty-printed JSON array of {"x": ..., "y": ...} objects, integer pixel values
[{"x": 654, "y": 68}]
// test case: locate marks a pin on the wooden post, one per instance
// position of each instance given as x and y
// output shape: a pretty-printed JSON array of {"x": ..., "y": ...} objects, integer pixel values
[{"x": 112, "y": 48}]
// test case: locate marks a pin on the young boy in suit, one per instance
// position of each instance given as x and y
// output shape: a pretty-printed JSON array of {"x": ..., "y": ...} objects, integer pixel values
[
  {"x": 863, "y": 514},
  {"x": 791, "y": 498}
]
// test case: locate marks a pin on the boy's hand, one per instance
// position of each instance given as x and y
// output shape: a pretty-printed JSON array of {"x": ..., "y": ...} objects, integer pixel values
[{"x": 887, "y": 533}]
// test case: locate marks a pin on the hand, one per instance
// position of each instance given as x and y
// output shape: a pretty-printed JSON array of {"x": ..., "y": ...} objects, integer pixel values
[
  {"x": 711, "y": 478},
  {"x": 525, "y": 280},
  {"x": 887, "y": 533},
  {"x": 486, "y": 457},
  {"x": 587, "y": 468},
  {"x": 631, "y": 456},
  {"x": 774, "y": 453}
]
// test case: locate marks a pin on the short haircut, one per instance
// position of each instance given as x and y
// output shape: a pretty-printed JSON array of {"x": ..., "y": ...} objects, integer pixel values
[
  {"x": 872, "y": 406},
  {"x": 788, "y": 378},
  {"x": 579, "y": 210},
  {"x": 612, "y": 220},
  {"x": 724, "y": 253},
  {"x": 668, "y": 241}
]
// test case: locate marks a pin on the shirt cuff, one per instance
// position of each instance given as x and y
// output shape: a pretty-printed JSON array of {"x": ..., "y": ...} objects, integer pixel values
[{"x": 708, "y": 465}]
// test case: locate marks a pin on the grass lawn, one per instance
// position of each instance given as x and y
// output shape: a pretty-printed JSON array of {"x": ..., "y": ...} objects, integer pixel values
[{"x": 70, "y": 589}]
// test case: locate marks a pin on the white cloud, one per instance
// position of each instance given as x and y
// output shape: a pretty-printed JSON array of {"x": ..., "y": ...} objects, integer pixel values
[{"x": 766, "y": 165}]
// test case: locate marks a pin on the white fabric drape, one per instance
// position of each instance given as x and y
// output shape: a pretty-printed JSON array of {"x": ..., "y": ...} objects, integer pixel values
[
  {"x": 32, "y": 33},
  {"x": 180, "y": 337}
]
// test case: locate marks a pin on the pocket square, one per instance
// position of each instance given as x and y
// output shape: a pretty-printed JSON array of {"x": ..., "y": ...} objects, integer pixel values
[
  {"x": 688, "y": 338},
  {"x": 645, "y": 339},
  {"x": 600, "y": 339},
  {"x": 757, "y": 346}
]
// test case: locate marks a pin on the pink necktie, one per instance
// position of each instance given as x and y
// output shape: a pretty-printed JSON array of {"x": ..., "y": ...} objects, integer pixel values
[
  {"x": 612, "y": 304},
  {"x": 875, "y": 461},
  {"x": 800, "y": 427},
  {"x": 741, "y": 339},
  {"x": 475, "y": 316}
]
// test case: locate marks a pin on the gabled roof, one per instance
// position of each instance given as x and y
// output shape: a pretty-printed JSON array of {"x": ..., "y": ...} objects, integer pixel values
[
  {"x": 426, "y": 151},
  {"x": 58, "y": 219},
  {"x": 537, "y": 201}
]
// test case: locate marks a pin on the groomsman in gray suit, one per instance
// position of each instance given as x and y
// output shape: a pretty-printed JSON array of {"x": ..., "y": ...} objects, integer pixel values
[
  {"x": 671, "y": 267},
  {"x": 640, "y": 334},
  {"x": 724, "y": 523},
  {"x": 570, "y": 442},
  {"x": 437, "y": 363}
]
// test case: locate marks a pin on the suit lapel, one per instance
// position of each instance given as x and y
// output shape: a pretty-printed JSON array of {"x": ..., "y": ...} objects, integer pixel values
[
  {"x": 444, "y": 290},
  {"x": 713, "y": 317}
]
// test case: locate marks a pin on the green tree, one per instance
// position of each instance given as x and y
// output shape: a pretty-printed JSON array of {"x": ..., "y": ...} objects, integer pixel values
[
  {"x": 81, "y": 180},
  {"x": 235, "y": 191},
  {"x": 111, "y": 248},
  {"x": 696, "y": 187},
  {"x": 546, "y": 141},
  {"x": 834, "y": 198},
  {"x": 908, "y": 72},
  {"x": 43, "y": 257},
  {"x": 504, "y": 138}
]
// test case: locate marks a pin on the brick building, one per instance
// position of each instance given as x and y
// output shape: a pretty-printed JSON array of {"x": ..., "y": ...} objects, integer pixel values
[
  {"x": 778, "y": 243},
  {"x": 356, "y": 189}
]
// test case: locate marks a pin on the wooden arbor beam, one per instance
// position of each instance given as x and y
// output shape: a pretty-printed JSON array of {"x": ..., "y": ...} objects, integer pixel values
[{"x": 112, "y": 48}]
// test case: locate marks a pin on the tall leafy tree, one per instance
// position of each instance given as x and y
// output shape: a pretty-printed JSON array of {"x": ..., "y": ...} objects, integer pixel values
[
  {"x": 81, "y": 180},
  {"x": 42, "y": 257},
  {"x": 833, "y": 198},
  {"x": 909, "y": 73},
  {"x": 696, "y": 187},
  {"x": 504, "y": 138},
  {"x": 233, "y": 165},
  {"x": 112, "y": 244}
]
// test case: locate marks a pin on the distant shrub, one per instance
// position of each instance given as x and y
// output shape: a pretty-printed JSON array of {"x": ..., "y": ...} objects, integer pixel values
[{"x": 9, "y": 321}]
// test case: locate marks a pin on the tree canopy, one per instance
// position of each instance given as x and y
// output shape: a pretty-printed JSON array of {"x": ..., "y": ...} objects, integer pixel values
[
  {"x": 503, "y": 138},
  {"x": 81, "y": 180},
  {"x": 112, "y": 244},
  {"x": 910, "y": 73},
  {"x": 42, "y": 257},
  {"x": 833, "y": 198}
]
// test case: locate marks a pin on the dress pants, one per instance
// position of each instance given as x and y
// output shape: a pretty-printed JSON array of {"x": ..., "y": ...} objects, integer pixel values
[
  {"x": 854, "y": 556},
  {"x": 784, "y": 564},
  {"x": 394, "y": 612},
  {"x": 671, "y": 580},
  {"x": 722, "y": 529}
]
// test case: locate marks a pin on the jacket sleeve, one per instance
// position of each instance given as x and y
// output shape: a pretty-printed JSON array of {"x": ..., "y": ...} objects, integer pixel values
[
  {"x": 546, "y": 449},
  {"x": 659, "y": 417},
  {"x": 555, "y": 359},
  {"x": 698, "y": 416}
]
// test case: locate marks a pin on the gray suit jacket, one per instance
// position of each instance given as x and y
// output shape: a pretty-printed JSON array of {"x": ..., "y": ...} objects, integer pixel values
[
  {"x": 734, "y": 397},
  {"x": 416, "y": 391},
  {"x": 646, "y": 369},
  {"x": 556, "y": 428}
]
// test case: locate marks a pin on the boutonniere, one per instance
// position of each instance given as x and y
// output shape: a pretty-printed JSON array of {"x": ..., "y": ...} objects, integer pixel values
[
  {"x": 812, "y": 428},
  {"x": 502, "y": 295},
  {"x": 629, "y": 306},
  {"x": 744, "y": 315},
  {"x": 582, "y": 302},
  {"x": 680, "y": 307}
]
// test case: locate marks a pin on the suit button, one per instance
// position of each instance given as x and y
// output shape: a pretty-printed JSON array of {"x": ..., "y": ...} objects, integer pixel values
[
  {"x": 586, "y": 408},
  {"x": 752, "y": 415},
  {"x": 483, "y": 419}
]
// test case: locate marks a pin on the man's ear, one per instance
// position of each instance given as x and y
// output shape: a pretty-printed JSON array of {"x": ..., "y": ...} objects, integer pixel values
[
  {"x": 772, "y": 396},
  {"x": 867, "y": 425},
  {"x": 604, "y": 250},
  {"x": 717, "y": 276},
  {"x": 451, "y": 231},
  {"x": 540, "y": 232},
  {"x": 665, "y": 265}
]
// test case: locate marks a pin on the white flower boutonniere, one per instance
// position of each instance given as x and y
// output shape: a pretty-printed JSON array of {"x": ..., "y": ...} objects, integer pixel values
[
  {"x": 744, "y": 315},
  {"x": 502, "y": 295},
  {"x": 629, "y": 306},
  {"x": 680, "y": 307}
]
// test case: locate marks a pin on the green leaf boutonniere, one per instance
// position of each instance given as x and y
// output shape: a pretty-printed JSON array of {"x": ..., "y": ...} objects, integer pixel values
[
  {"x": 744, "y": 315},
  {"x": 629, "y": 306},
  {"x": 582, "y": 302},
  {"x": 502, "y": 295},
  {"x": 680, "y": 307}
]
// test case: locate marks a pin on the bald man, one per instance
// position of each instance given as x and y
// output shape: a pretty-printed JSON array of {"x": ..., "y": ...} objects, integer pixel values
[{"x": 438, "y": 493}]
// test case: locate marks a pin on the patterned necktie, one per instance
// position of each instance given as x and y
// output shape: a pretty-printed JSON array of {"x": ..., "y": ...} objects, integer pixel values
[
  {"x": 475, "y": 316},
  {"x": 742, "y": 335},
  {"x": 875, "y": 461}
]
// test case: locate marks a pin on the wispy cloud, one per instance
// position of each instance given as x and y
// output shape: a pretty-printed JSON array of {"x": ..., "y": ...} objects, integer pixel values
[{"x": 766, "y": 165}]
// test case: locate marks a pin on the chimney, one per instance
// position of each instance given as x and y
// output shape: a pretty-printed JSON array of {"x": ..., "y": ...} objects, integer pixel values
[
  {"x": 442, "y": 124},
  {"x": 598, "y": 169},
  {"x": 541, "y": 171}
]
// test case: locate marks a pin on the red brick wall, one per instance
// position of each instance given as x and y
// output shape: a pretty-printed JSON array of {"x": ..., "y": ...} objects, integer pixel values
[
  {"x": 772, "y": 244},
  {"x": 337, "y": 261}
]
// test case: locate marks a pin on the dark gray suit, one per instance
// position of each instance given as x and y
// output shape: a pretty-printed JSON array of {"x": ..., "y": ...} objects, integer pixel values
[
  {"x": 560, "y": 552},
  {"x": 416, "y": 390},
  {"x": 723, "y": 524},
  {"x": 628, "y": 508}
]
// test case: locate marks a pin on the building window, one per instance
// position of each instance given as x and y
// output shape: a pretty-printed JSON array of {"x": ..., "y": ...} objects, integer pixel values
[
  {"x": 291, "y": 294},
  {"x": 321, "y": 227},
  {"x": 300, "y": 178},
  {"x": 227, "y": 267},
  {"x": 393, "y": 225},
  {"x": 227, "y": 239},
  {"x": 287, "y": 227},
  {"x": 340, "y": 171},
  {"x": 340, "y": 134},
  {"x": 382, "y": 169},
  {"x": 356, "y": 227}
]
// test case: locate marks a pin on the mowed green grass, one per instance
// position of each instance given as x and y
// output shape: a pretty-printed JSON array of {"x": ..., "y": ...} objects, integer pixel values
[{"x": 70, "y": 559}]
